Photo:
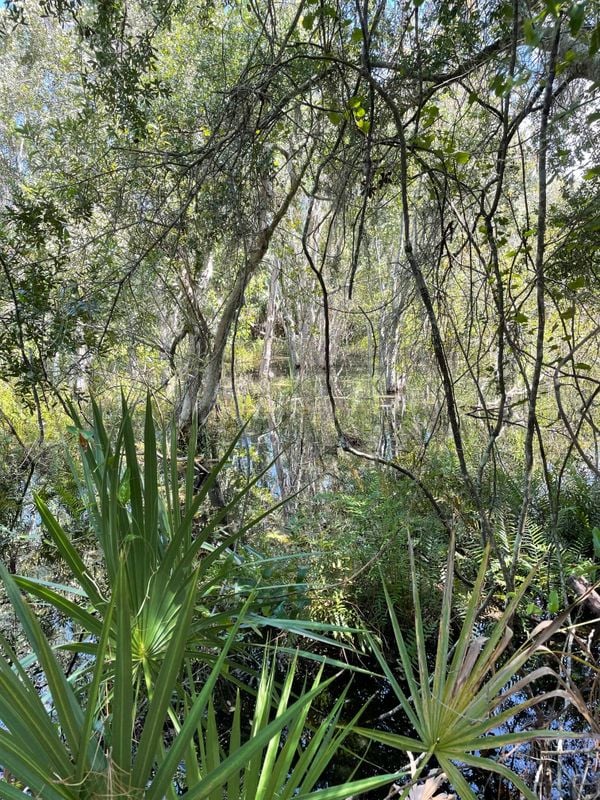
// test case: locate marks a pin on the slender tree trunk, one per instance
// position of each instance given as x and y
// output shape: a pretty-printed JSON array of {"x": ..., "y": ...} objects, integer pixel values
[
  {"x": 265, "y": 363},
  {"x": 80, "y": 371},
  {"x": 192, "y": 380},
  {"x": 202, "y": 386},
  {"x": 291, "y": 336}
]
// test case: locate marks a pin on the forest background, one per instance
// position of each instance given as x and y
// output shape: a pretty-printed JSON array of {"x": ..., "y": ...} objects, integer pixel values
[{"x": 366, "y": 233}]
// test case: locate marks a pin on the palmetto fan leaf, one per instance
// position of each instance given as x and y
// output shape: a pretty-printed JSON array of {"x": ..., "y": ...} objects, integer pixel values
[
  {"x": 455, "y": 709},
  {"x": 139, "y": 532},
  {"x": 292, "y": 761},
  {"x": 83, "y": 748},
  {"x": 144, "y": 522}
]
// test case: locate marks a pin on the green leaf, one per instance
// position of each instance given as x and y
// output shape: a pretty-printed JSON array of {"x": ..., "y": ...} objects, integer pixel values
[
  {"x": 576, "y": 283},
  {"x": 564, "y": 63},
  {"x": 457, "y": 780},
  {"x": 253, "y": 746},
  {"x": 521, "y": 318},
  {"x": 123, "y": 705},
  {"x": 352, "y": 789},
  {"x": 576, "y": 18},
  {"x": 356, "y": 35},
  {"x": 25, "y": 716},
  {"x": 493, "y": 766},
  {"x": 67, "y": 551},
  {"x": 553, "y": 602},
  {"x": 595, "y": 41},
  {"x": 429, "y": 115},
  {"x": 499, "y": 84},
  {"x": 568, "y": 313},
  {"x": 424, "y": 142},
  {"x": 163, "y": 690},
  {"x": 335, "y": 117},
  {"x": 308, "y": 21},
  {"x": 124, "y": 493},
  {"x": 150, "y": 481},
  {"x": 591, "y": 173},
  {"x": 30, "y": 771},
  {"x": 328, "y": 11},
  {"x": 136, "y": 497},
  {"x": 395, "y": 740},
  {"x": 553, "y": 7},
  {"x": 93, "y": 699},
  {"x": 596, "y": 541},
  {"x": 72, "y": 610},
  {"x": 531, "y": 36},
  {"x": 581, "y": 365},
  {"x": 68, "y": 710},
  {"x": 461, "y": 157}
]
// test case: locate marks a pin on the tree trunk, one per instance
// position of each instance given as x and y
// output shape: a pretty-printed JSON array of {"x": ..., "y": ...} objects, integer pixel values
[
  {"x": 265, "y": 363},
  {"x": 389, "y": 333},
  {"x": 202, "y": 385}
]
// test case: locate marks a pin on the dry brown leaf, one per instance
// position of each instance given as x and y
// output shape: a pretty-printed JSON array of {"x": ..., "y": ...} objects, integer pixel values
[
  {"x": 427, "y": 790},
  {"x": 469, "y": 661}
]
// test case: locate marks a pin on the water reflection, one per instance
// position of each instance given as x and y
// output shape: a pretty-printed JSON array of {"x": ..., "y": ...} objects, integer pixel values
[{"x": 292, "y": 417}]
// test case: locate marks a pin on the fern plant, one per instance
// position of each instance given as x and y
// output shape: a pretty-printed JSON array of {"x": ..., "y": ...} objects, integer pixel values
[{"x": 556, "y": 556}]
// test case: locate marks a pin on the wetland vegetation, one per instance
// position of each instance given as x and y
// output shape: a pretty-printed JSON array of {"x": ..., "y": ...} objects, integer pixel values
[{"x": 299, "y": 360}]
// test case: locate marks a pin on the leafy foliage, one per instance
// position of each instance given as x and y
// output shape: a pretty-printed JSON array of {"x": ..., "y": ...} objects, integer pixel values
[
  {"x": 360, "y": 534},
  {"x": 164, "y": 543},
  {"x": 136, "y": 717},
  {"x": 149, "y": 534}
]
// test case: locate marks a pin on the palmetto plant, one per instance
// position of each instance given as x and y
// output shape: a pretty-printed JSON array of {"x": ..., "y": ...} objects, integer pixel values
[
  {"x": 83, "y": 748},
  {"x": 106, "y": 740},
  {"x": 295, "y": 759},
  {"x": 458, "y": 708},
  {"x": 145, "y": 521}
]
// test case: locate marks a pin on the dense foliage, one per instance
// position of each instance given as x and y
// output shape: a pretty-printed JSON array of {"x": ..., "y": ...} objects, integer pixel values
[{"x": 351, "y": 251}]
